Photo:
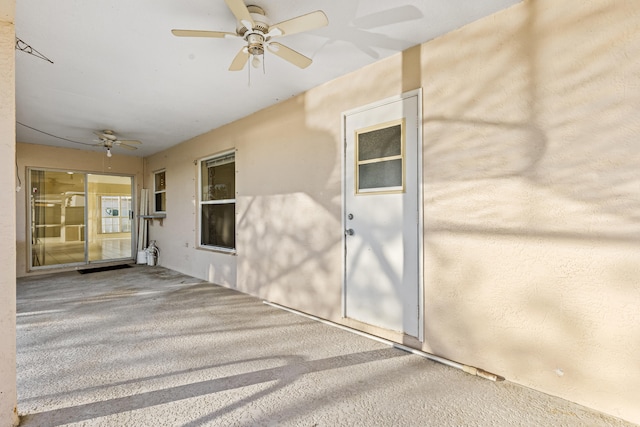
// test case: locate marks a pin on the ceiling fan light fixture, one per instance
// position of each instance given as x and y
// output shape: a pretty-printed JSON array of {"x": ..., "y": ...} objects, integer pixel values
[
  {"x": 109, "y": 152},
  {"x": 255, "y": 62},
  {"x": 256, "y": 43}
]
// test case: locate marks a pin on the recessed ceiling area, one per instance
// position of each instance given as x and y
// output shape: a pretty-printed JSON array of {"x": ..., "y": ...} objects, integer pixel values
[{"x": 117, "y": 66}]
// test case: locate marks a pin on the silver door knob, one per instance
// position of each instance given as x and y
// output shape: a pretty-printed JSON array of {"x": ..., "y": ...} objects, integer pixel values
[{"x": 349, "y": 232}]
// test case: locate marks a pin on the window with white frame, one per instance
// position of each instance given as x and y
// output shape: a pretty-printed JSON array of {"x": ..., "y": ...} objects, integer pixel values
[
  {"x": 115, "y": 214},
  {"x": 160, "y": 191},
  {"x": 217, "y": 202}
]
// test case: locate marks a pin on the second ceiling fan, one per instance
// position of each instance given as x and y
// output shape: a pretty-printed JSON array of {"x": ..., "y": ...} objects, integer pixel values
[
  {"x": 108, "y": 140},
  {"x": 254, "y": 28}
]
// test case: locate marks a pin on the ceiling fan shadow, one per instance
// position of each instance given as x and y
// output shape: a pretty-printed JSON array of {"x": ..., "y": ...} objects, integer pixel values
[
  {"x": 357, "y": 31},
  {"x": 388, "y": 17}
]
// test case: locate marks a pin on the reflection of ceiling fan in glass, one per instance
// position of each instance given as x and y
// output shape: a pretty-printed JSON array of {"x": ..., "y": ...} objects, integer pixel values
[
  {"x": 254, "y": 28},
  {"x": 108, "y": 139}
]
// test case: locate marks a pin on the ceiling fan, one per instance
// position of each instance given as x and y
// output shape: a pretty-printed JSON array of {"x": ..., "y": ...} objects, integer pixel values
[
  {"x": 108, "y": 139},
  {"x": 254, "y": 28}
]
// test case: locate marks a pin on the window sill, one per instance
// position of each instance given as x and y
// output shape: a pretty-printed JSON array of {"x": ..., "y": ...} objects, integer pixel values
[
  {"x": 223, "y": 251},
  {"x": 151, "y": 217}
]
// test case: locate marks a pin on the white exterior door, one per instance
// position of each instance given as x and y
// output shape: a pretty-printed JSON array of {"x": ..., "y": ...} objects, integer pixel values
[{"x": 382, "y": 216}]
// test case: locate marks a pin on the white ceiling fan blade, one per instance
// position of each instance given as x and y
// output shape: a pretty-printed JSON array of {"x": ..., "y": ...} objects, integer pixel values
[
  {"x": 290, "y": 55},
  {"x": 128, "y": 147},
  {"x": 201, "y": 33},
  {"x": 240, "y": 60},
  {"x": 307, "y": 22},
  {"x": 240, "y": 11},
  {"x": 128, "y": 141}
]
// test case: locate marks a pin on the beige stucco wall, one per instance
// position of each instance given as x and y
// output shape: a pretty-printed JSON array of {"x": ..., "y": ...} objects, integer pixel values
[
  {"x": 288, "y": 161},
  {"x": 8, "y": 392},
  {"x": 176, "y": 234},
  {"x": 56, "y": 158},
  {"x": 531, "y": 205}
]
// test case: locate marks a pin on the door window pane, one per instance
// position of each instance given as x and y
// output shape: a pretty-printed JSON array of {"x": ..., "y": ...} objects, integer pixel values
[
  {"x": 380, "y": 158},
  {"x": 379, "y": 143},
  {"x": 380, "y": 174}
]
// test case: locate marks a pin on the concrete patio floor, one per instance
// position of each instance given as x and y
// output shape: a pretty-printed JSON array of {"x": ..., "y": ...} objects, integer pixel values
[{"x": 147, "y": 346}]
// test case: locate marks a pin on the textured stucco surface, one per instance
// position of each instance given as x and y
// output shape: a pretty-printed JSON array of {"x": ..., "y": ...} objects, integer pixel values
[
  {"x": 531, "y": 206},
  {"x": 7, "y": 11},
  {"x": 8, "y": 416},
  {"x": 532, "y": 211},
  {"x": 147, "y": 346}
]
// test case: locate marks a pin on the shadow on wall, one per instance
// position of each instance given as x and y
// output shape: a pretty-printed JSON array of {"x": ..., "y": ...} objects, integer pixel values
[
  {"x": 568, "y": 148},
  {"x": 290, "y": 217},
  {"x": 289, "y": 203},
  {"x": 532, "y": 213}
]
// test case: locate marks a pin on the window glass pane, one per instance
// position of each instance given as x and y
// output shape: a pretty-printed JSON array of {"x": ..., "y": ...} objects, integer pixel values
[
  {"x": 218, "y": 178},
  {"x": 219, "y": 225},
  {"x": 161, "y": 202},
  {"x": 160, "y": 198},
  {"x": 380, "y": 143},
  {"x": 380, "y": 174},
  {"x": 160, "y": 182}
]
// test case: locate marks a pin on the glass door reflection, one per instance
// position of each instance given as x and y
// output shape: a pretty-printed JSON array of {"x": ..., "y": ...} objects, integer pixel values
[
  {"x": 110, "y": 216},
  {"x": 57, "y": 218},
  {"x": 78, "y": 218}
]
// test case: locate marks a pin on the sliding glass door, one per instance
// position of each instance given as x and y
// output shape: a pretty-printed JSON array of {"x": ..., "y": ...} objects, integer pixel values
[
  {"x": 57, "y": 218},
  {"x": 110, "y": 217},
  {"x": 78, "y": 218}
]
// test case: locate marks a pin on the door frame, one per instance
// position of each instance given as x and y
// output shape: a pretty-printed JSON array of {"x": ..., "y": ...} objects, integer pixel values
[{"x": 419, "y": 188}]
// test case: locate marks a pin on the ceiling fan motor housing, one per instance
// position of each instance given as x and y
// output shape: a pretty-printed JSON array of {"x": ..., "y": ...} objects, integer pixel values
[
  {"x": 259, "y": 19},
  {"x": 108, "y": 134}
]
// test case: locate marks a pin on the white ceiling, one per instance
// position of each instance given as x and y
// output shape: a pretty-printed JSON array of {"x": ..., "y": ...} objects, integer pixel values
[{"x": 117, "y": 66}]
